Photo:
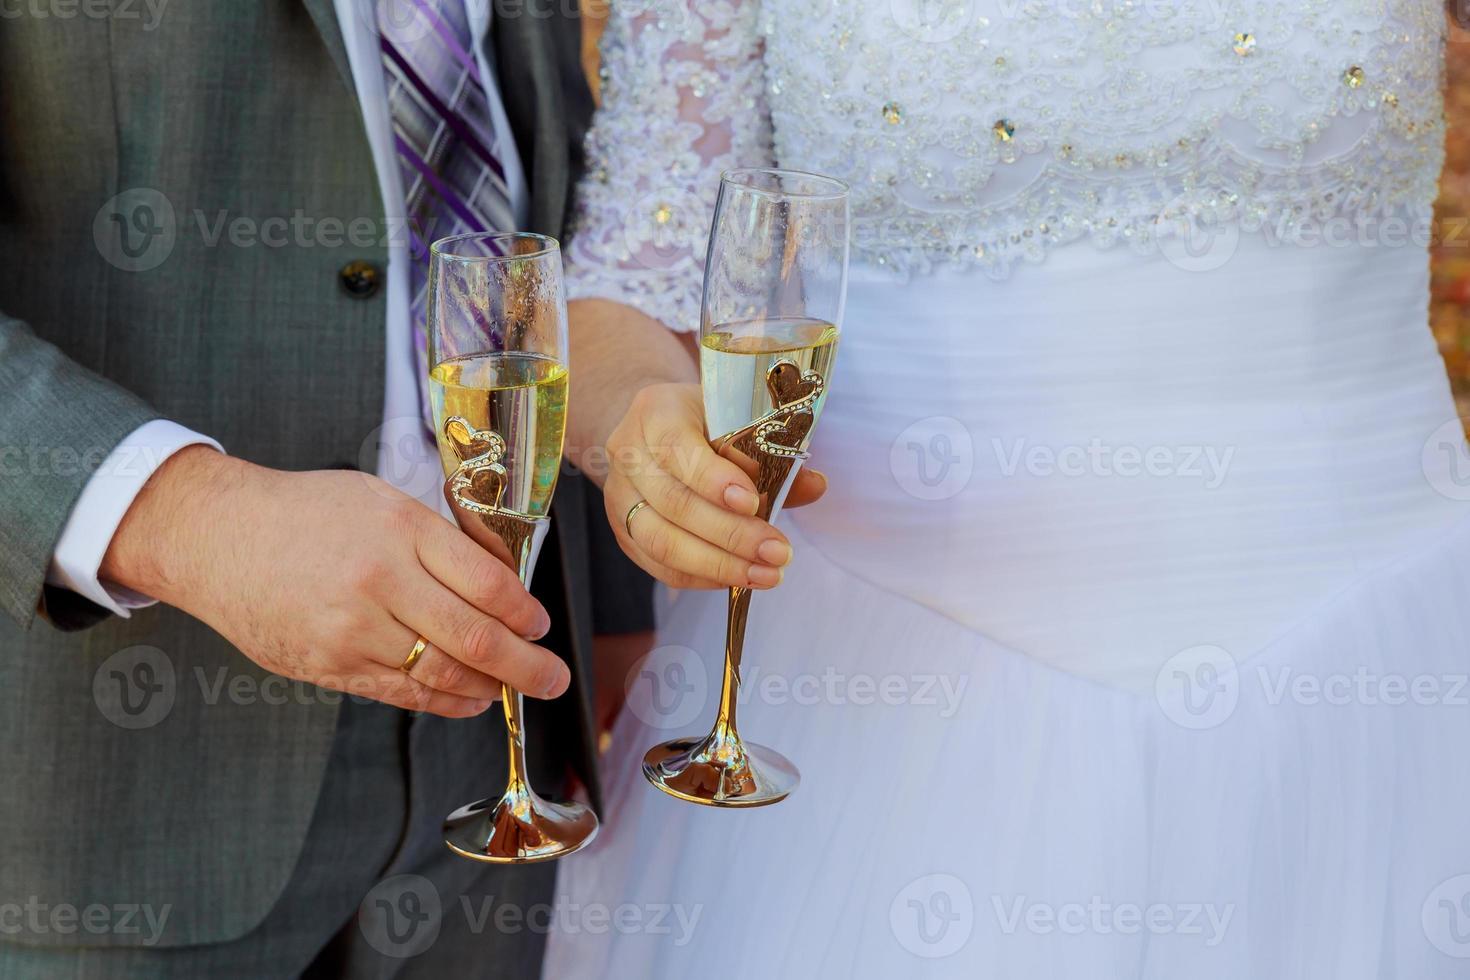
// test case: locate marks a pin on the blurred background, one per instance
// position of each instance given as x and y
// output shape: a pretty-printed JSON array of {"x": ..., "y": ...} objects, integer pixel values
[{"x": 1450, "y": 312}]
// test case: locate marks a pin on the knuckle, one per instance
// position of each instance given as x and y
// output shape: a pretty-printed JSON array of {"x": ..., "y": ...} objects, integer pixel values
[
  {"x": 730, "y": 570},
  {"x": 404, "y": 517},
  {"x": 450, "y": 675},
  {"x": 367, "y": 576},
  {"x": 541, "y": 677},
  {"x": 648, "y": 406},
  {"x": 704, "y": 472},
  {"x": 480, "y": 639},
  {"x": 679, "y": 503},
  {"x": 486, "y": 581},
  {"x": 618, "y": 444},
  {"x": 734, "y": 537},
  {"x": 660, "y": 543},
  {"x": 338, "y": 626}
]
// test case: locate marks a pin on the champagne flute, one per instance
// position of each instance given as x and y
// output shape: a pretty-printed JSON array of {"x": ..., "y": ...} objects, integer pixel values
[
  {"x": 775, "y": 281},
  {"x": 497, "y": 325}
]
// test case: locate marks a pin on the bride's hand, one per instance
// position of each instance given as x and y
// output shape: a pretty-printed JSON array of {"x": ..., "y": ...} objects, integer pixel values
[{"x": 699, "y": 530}]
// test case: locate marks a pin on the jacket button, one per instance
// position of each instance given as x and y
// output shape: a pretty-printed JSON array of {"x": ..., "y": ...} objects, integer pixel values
[{"x": 360, "y": 279}]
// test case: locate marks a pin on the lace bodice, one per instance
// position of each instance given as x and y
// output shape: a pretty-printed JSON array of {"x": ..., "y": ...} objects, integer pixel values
[{"x": 976, "y": 133}]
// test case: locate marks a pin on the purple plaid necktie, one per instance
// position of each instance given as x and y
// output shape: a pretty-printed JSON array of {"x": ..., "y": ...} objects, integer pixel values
[{"x": 445, "y": 138}]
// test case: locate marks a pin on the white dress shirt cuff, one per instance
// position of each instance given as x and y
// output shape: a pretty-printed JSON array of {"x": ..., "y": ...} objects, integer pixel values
[{"x": 100, "y": 509}]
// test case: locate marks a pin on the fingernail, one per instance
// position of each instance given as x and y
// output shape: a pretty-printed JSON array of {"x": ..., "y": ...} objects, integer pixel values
[
  {"x": 740, "y": 499},
  {"x": 543, "y": 626},
  {"x": 764, "y": 576},
  {"x": 774, "y": 552},
  {"x": 483, "y": 706}
]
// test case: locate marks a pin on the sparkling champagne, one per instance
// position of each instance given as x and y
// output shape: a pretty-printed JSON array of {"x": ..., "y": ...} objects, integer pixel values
[
  {"x": 735, "y": 357},
  {"x": 521, "y": 396}
]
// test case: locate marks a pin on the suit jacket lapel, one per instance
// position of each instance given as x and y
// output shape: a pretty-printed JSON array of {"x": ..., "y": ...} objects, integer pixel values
[
  {"x": 324, "y": 15},
  {"x": 548, "y": 103}
]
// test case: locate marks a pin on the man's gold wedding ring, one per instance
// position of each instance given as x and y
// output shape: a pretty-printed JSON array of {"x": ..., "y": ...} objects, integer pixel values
[
  {"x": 628, "y": 521},
  {"x": 415, "y": 654}
]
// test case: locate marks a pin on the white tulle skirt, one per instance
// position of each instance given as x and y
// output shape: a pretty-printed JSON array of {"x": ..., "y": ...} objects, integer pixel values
[{"x": 1080, "y": 725}]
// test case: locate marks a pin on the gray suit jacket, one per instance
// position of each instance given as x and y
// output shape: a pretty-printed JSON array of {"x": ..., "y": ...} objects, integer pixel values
[{"x": 146, "y": 760}]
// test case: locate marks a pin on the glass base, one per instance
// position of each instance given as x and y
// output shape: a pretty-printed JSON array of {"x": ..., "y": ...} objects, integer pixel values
[
  {"x": 519, "y": 828},
  {"x": 716, "y": 771}
]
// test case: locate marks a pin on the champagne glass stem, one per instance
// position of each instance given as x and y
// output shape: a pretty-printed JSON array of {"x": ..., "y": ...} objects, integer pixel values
[
  {"x": 515, "y": 734},
  {"x": 513, "y": 702},
  {"x": 739, "y": 607}
]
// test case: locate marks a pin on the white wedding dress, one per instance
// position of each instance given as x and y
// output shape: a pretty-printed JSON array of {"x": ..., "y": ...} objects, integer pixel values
[{"x": 1131, "y": 638}]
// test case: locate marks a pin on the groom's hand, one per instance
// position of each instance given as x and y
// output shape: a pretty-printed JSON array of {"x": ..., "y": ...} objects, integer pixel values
[
  {"x": 331, "y": 577},
  {"x": 699, "y": 530}
]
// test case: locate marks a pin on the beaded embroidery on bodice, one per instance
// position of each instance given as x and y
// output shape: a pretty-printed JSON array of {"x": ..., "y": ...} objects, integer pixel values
[{"x": 976, "y": 133}]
